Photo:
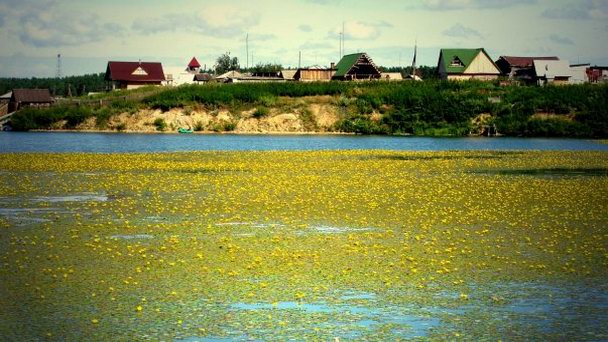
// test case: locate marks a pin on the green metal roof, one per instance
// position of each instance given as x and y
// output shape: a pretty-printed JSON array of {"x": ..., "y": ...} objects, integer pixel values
[
  {"x": 466, "y": 56},
  {"x": 346, "y": 63}
]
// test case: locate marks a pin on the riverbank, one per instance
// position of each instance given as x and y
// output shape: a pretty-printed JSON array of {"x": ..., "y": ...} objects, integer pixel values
[{"x": 415, "y": 108}]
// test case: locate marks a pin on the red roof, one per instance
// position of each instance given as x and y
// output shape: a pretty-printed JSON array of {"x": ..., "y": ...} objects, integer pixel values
[
  {"x": 129, "y": 71},
  {"x": 526, "y": 62},
  {"x": 194, "y": 63}
]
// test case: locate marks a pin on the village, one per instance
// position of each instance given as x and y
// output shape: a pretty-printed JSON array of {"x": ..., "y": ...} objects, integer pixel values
[{"x": 452, "y": 65}]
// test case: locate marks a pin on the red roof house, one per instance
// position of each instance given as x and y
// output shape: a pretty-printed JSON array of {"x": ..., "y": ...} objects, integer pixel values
[
  {"x": 521, "y": 68},
  {"x": 131, "y": 75}
]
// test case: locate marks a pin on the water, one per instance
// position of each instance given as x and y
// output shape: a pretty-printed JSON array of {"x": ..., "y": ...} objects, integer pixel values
[{"x": 122, "y": 142}]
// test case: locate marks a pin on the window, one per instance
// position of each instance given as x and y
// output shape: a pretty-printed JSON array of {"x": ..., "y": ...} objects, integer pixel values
[{"x": 456, "y": 62}]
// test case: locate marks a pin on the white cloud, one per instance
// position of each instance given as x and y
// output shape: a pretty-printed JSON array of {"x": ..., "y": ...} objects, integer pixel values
[
  {"x": 560, "y": 40},
  {"x": 305, "y": 28},
  {"x": 221, "y": 23},
  {"x": 358, "y": 30}
]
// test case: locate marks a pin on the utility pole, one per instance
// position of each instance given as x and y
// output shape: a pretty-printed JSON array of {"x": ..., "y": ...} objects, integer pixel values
[
  {"x": 58, "y": 66},
  {"x": 343, "y": 39},
  {"x": 300, "y": 60},
  {"x": 247, "y": 48}
]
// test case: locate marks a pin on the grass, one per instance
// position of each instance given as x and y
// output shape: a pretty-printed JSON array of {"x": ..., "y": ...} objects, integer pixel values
[{"x": 369, "y": 245}]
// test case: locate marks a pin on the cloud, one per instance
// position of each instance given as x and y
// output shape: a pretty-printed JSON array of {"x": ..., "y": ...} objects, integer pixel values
[
  {"x": 461, "y": 31},
  {"x": 324, "y": 2},
  {"x": 560, "y": 40},
  {"x": 448, "y": 5},
  {"x": 44, "y": 24},
  {"x": 305, "y": 28},
  {"x": 358, "y": 30},
  {"x": 584, "y": 10},
  {"x": 233, "y": 25}
]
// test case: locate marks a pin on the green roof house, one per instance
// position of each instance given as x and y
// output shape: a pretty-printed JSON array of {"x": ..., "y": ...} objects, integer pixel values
[
  {"x": 356, "y": 66},
  {"x": 466, "y": 64}
]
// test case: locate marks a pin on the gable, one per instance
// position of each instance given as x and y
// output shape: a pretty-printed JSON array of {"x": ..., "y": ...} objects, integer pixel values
[
  {"x": 482, "y": 64},
  {"x": 355, "y": 61},
  {"x": 135, "y": 71}
]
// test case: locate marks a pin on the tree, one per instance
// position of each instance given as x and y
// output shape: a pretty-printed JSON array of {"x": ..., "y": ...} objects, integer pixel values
[{"x": 225, "y": 63}]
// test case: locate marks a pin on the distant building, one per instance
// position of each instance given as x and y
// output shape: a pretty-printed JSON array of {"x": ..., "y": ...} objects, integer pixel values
[
  {"x": 202, "y": 78},
  {"x": 466, "y": 64},
  {"x": 288, "y": 74},
  {"x": 21, "y": 98},
  {"x": 552, "y": 72},
  {"x": 356, "y": 66},
  {"x": 194, "y": 67},
  {"x": 4, "y": 100},
  {"x": 391, "y": 76},
  {"x": 131, "y": 75},
  {"x": 228, "y": 77},
  {"x": 314, "y": 74},
  {"x": 579, "y": 73},
  {"x": 176, "y": 76},
  {"x": 597, "y": 74},
  {"x": 520, "y": 68}
]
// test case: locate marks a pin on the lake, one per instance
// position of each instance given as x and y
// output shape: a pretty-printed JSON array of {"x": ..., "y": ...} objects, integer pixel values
[{"x": 133, "y": 142}]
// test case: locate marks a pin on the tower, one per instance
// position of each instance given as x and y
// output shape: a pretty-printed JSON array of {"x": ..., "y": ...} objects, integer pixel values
[{"x": 58, "y": 75}]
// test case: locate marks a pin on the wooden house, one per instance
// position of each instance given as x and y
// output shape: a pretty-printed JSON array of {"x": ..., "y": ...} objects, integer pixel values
[
  {"x": 21, "y": 98},
  {"x": 131, "y": 75},
  {"x": 356, "y": 66},
  {"x": 597, "y": 74},
  {"x": 4, "y": 100},
  {"x": 520, "y": 68},
  {"x": 466, "y": 64},
  {"x": 202, "y": 78},
  {"x": 288, "y": 74}
]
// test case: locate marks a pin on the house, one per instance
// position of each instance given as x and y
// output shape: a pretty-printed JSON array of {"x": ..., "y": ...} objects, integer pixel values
[
  {"x": 520, "y": 68},
  {"x": 466, "y": 64},
  {"x": 131, "y": 75},
  {"x": 552, "y": 72},
  {"x": 176, "y": 76},
  {"x": 597, "y": 74},
  {"x": 21, "y": 98},
  {"x": 356, "y": 66},
  {"x": 579, "y": 73},
  {"x": 314, "y": 74},
  {"x": 228, "y": 77},
  {"x": 391, "y": 76},
  {"x": 202, "y": 78}
]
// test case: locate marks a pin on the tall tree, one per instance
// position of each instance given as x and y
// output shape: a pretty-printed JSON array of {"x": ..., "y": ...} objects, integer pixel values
[{"x": 225, "y": 63}]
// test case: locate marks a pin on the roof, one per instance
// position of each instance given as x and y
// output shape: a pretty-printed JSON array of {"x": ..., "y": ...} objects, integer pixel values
[
  {"x": 288, "y": 74},
  {"x": 202, "y": 77},
  {"x": 346, "y": 63},
  {"x": 7, "y": 95},
  {"x": 466, "y": 57},
  {"x": 135, "y": 71},
  {"x": 552, "y": 69},
  {"x": 32, "y": 95},
  {"x": 526, "y": 62},
  {"x": 194, "y": 63},
  {"x": 230, "y": 74}
]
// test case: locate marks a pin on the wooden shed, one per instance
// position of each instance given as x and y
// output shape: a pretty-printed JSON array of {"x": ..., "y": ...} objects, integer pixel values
[
  {"x": 21, "y": 98},
  {"x": 356, "y": 66},
  {"x": 314, "y": 74}
]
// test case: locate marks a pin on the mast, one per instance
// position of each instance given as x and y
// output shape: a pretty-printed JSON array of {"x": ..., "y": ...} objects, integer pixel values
[
  {"x": 414, "y": 60},
  {"x": 247, "y": 48}
]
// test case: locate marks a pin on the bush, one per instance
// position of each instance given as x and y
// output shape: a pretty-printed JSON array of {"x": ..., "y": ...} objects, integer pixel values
[
  {"x": 261, "y": 112},
  {"x": 160, "y": 124}
]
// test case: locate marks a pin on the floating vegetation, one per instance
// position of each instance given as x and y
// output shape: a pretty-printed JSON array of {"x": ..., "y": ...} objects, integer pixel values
[{"x": 316, "y": 245}]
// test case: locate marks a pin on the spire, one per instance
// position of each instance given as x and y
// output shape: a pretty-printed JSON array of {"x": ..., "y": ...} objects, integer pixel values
[{"x": 414, "y": 60}]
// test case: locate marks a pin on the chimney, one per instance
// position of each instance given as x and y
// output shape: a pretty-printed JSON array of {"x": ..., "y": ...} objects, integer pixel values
[{"x": 332, "y": 66}]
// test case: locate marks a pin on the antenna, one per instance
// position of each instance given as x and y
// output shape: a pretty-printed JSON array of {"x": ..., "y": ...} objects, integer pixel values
[{"x": 58, "y": 65}]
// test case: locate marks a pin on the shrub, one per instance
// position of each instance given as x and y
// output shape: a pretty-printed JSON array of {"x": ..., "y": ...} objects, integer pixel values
[
  {"x": 160, "y": 124},
  {"x": 261, "y": 112}
]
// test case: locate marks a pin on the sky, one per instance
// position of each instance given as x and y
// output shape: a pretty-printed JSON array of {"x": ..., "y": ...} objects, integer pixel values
[{"x": 88, "y": 34}]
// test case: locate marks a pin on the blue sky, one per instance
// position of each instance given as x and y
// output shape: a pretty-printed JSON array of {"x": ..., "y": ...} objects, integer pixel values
[{"x": 89, "y": 33}]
